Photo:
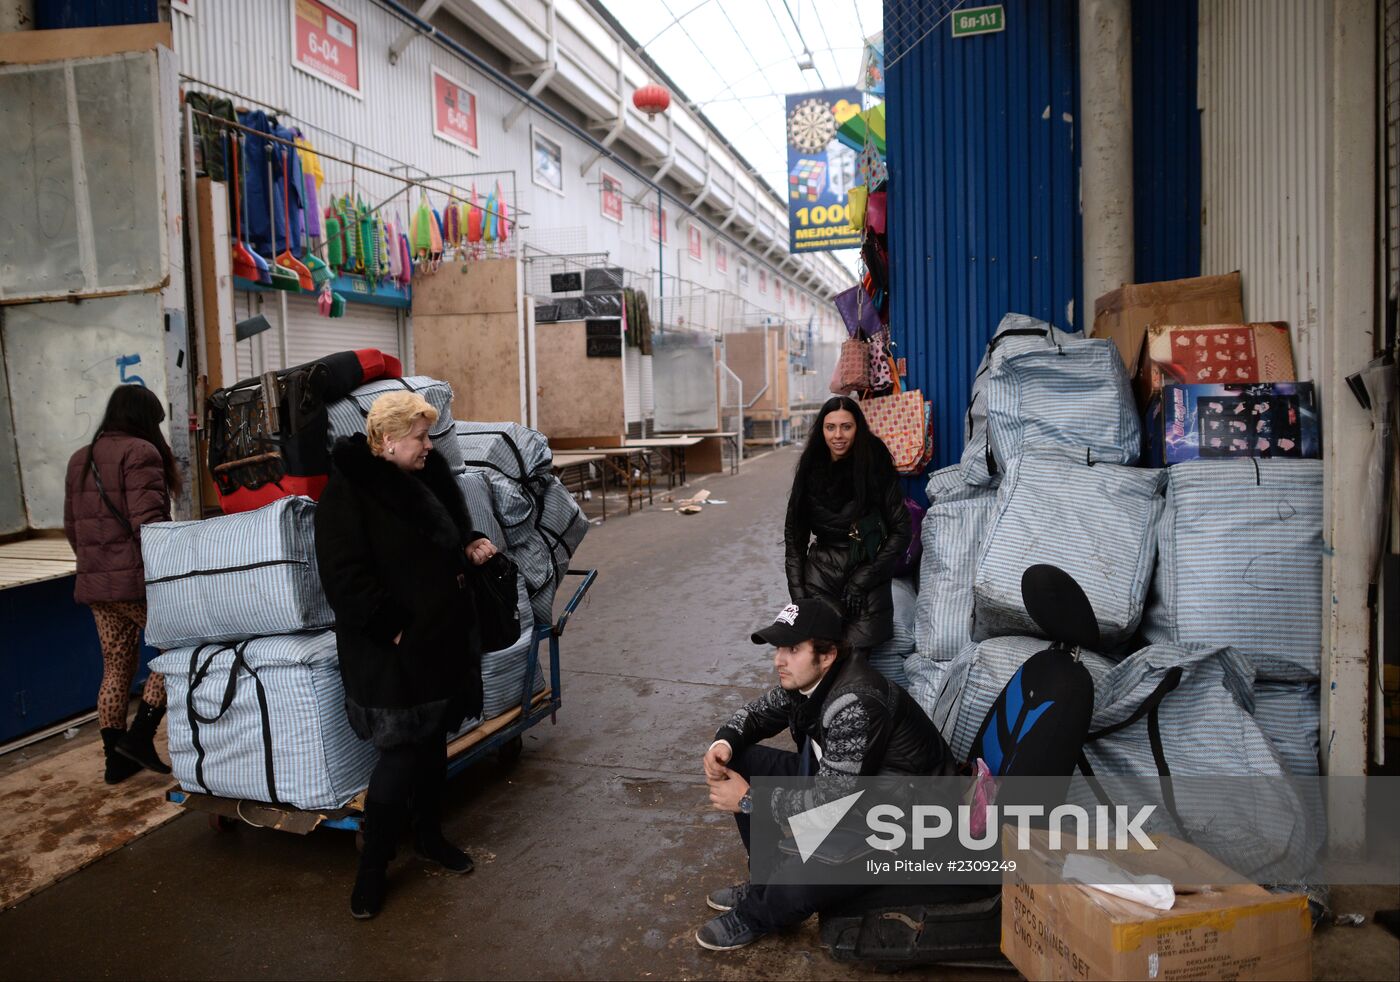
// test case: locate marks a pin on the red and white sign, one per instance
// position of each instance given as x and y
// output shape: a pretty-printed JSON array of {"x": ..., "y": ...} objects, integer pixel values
[
  {"x": 721, "y": 257},
  {"x": 610, "y": 201},
  {"x": 454, "y": 111},
  {"x": 326, "y": 44},
  {"x": 694, "y": 244},
  {"x": 658, "y": 229},
  {"x": 763, "y": 281}
]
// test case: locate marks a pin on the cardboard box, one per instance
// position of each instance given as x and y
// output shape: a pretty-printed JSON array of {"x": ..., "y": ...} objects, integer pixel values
[
  {"x": 1218, "y": 928},
  {"x": 1127, "y": 313},
  {"x": 1219, "y": 354},
  {"x": 1269, "y": 419}
]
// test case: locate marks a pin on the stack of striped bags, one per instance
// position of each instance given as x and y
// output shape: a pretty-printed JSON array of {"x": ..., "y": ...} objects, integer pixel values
[
  {"x": 1212, "y": 568},
  {"x": 256, "y": 706}
]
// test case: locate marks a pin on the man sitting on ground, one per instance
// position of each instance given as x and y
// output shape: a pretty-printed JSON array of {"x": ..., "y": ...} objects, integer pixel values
[{"x": 847, "y": 719}]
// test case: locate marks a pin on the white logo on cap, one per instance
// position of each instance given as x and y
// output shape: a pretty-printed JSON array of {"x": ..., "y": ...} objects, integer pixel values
[{"x": 788, "y": 615}]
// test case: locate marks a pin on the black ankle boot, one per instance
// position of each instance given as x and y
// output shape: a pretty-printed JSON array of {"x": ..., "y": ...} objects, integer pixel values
[
  {"x": 139, "y": 743},
  {"x": 430, "y": 845},
  {"x": 119, "y": 768},
  {"x": 381, "y": 829}
]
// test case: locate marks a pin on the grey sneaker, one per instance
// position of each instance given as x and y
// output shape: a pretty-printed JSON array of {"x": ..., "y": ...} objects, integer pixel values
[
  {"x": 726, "y": 932},
  {"x": 726, "y": 899}
]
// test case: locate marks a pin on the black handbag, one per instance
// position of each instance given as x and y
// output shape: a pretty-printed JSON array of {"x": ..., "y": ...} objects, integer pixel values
[{"x": 494, "y": 586}]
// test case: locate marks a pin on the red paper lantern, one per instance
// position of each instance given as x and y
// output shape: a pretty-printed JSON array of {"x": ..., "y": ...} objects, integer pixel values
[{"x": 651, "y": 99}]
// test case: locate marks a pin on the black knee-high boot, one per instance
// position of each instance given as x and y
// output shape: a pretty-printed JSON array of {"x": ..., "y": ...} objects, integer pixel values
[
  {"x": 119, "y": 766},
  {"x": 382, "y": 825},
  {"x": 429, "y": 780}
]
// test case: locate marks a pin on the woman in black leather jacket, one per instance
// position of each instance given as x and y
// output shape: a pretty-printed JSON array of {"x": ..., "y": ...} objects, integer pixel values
[{"x": 846, "y": 523}]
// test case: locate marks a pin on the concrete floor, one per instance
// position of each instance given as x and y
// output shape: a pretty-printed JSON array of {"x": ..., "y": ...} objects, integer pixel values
[{"x": 594, "y": 852}]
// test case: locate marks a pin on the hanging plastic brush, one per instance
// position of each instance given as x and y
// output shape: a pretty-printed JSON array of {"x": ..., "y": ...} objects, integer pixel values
[
  {"x": 474, "y": 225},
  {"x": 335, "y": 239},
  {"x": 405, "y": 260},
  {"x": 489, "y": 223},
  {"x": 386, "y": 251},
  {"x": 420, "y": 234},
  {"x": 436, "y": 230},
  {"x": 366, "y": 221},
  {"x": 391, "y": 243},
  {"x": 452, "y": 225},
  {"x": 503, "y": 229}
]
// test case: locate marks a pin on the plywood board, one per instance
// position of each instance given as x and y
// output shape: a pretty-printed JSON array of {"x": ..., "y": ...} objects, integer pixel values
[
  {"x": 578, "y": 396},
  {"x": 483, "y": 286},
  {"x": 56, "y": 816},
  {"x": 31, "y": 47},
  {"x": 478, "y": 355},
  {"x": 743, "y": 353}
]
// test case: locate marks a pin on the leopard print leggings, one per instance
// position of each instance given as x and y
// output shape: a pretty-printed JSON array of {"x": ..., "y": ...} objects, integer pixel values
[{"x": 119, "y": 626}]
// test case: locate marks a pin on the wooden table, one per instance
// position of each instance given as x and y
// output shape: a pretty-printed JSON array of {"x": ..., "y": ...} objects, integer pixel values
[
  {"x": 672, "y": 448},
  {"x": 34, "y": 561},
  {"x": 565, "y": 461},
  {"x": 620, "y": 461},
  {"x": 703, "y": 457}
]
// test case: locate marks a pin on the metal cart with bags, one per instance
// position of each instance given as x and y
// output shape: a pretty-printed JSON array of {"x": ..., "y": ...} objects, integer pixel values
[{"x": 502, "y": 734}]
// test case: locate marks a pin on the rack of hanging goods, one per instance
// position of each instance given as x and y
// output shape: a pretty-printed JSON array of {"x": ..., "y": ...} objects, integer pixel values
[{"x": 422, "y": 239}]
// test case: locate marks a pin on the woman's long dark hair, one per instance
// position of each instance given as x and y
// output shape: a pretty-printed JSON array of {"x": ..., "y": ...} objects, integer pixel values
[
  {"x": 136, "y": 411},
  {"x": 872, "y": 467}
]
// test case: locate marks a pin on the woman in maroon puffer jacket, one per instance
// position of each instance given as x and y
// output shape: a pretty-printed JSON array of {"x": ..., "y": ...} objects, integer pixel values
[{"x": 116, "y": 484}]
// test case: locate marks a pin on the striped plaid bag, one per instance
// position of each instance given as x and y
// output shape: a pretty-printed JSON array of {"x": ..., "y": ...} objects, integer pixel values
[
  {"x": 234, "y": 577},
  {"x": 902, "y": 421}
]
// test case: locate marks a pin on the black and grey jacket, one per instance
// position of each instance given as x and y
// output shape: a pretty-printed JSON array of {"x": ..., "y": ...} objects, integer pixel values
[{"x": 864, "y": 724}]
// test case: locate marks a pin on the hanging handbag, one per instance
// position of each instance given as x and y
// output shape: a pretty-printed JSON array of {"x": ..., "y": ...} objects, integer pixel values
[
  {"x": 881, "y": 378},
  {"x": 853, "y": 368},
  {"x": 497, "y": 596},
  {"x": 858, "y": 311},
  {"x": 902, "y": 421},
  {"x": 856, "y": 205},
  {"x": 875, "y": 212}
]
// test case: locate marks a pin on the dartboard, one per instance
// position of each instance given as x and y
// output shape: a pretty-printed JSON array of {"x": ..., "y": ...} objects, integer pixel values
[{"x": 811, "y": 125}]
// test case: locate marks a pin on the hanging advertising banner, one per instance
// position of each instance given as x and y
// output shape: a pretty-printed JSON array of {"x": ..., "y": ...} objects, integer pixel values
[
  {"x": 821, "y": 171},
  {"x": 326, "y": 44},
  {"x": 658, "y": 227},
  {"x": 610, "y": 202},
  {"x": 454, "y": 111}
]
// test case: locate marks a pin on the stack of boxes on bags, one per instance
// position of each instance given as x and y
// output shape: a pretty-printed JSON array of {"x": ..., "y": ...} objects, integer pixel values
[
  {"x": 1205, "y": 576},
  {"x": 257, "y": 710}
]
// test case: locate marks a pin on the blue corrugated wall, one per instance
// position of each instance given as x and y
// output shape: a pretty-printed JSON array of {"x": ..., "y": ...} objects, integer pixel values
[
  {"x": 55, "y": 14},
  {"x": 1166, "y": 142},
  {"x": 984, "y": 214}
]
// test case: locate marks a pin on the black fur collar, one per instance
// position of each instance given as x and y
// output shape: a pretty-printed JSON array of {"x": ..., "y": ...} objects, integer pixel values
[{"x": 428, "y": 500}]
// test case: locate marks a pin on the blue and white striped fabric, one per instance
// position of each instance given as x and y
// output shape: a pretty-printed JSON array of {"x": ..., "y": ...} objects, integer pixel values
[
  {"x": 888, "y": 658},
  {"x": 1206, "y": 731},
  {"x": 952, "y": 537},
  {"x": 516, "y": 451},
  {"x": 1096, "y": 523},
  {"x": 1073, "y": 395},
  {"x": 1007, "y": 341},
  {"x": 1289, "y": 713},
  {"x": 347, "y": 416},
  {"x": 926, "y": 678},
  {"x": 503, "y": 672},
  {"x": 481, "y": 507},
  {"x": 317, "y": 760},
  {"x": 234, "y": 577},
  {"x": 1241, "y": 563}
]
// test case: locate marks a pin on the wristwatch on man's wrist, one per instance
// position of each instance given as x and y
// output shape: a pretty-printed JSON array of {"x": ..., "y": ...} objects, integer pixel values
[{"x": 746, "y": 804}]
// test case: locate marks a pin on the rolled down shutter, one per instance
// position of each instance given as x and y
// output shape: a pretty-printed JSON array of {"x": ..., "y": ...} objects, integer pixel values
[{"x": 309, "y": 335}]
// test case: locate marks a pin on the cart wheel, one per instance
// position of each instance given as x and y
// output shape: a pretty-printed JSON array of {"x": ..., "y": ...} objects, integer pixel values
[
  {"x": 222, "y": 823},
  {"x": 511, "y": 749}
]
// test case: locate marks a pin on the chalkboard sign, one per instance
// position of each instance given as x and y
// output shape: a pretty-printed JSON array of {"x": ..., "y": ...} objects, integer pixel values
[
  {"x": 565, "y": 282},
  {"x": 607, "y": 328},
  {"x": 599, "y": 347}
]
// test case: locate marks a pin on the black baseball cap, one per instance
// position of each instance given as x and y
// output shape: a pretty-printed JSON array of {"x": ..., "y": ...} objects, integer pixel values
[{"x": 802, "y": 620}]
